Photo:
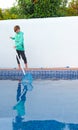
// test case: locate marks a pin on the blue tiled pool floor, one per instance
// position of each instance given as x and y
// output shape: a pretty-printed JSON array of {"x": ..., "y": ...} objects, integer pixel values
[{"x": 48, "y": 101}]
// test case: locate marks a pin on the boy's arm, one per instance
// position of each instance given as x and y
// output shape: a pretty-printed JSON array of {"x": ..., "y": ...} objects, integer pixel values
[{"x": 13, "y": 38}]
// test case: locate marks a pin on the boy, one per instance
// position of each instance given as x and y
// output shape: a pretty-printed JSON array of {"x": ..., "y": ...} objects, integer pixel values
[{"x": 19, "y": 46}]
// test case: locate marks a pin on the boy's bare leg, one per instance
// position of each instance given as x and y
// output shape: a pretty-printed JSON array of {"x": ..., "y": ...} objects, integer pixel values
[
  {"x": 19, "y": 67},
  {"x": 26, "y": 66}
]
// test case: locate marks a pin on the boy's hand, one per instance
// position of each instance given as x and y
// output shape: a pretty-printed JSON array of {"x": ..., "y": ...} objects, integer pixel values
[{"x": 14, "y": 47}]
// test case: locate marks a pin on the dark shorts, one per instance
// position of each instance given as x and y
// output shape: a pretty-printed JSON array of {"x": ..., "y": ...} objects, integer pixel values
[{"x": 21, "y": 54}]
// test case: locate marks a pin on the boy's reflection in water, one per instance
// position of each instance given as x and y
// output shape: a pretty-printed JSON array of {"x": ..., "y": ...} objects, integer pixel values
[{"x": 20, "y": 106}]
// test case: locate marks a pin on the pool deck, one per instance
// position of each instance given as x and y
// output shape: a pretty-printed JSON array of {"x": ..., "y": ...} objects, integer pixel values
[{"x": 40, "y": 73}]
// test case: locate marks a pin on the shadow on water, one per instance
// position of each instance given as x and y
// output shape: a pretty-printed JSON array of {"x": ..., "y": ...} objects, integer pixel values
[
  {"x": 42, "y": 125},
  {"x": 20, "y": 124}
]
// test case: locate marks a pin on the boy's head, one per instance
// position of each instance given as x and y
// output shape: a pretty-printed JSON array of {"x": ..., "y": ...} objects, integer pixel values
[{"x": 17, "y": 28}]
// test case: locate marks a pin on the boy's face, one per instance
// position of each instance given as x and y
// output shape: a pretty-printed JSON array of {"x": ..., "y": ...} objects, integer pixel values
[{"x": 18, "y": 30}]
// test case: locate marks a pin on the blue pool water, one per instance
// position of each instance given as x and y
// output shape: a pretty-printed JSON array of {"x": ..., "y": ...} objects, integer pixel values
[{"x": 51, "y": 105}]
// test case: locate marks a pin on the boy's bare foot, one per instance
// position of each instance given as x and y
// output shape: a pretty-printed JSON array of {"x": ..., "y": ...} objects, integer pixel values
[
  {"x": 26, "y": 66},
  {"x": 19, "y": 67}
]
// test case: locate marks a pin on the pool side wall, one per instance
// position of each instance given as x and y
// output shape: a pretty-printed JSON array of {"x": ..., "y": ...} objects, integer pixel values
[{"x": 40, "y": 73}]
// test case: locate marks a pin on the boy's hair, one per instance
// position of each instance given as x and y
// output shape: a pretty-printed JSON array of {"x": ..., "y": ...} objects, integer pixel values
[{"x": 16, "y": 28}]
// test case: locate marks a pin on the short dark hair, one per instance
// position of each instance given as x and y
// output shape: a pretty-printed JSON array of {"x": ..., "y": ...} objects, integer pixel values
[{"x": 16, "y": 28}]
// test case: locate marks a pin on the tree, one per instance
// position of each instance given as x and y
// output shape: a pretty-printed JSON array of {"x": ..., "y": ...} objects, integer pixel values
[
  {"x": 63, "y": 8},
  {"x": 40, "y": 8},
  {"x": 10, "y": 14},
  {"x": 50, "y": 8},
  {"x": 1, "y": 14},
  {"x": 25, "y": 7},
  {"x": 73, "y": 8}
]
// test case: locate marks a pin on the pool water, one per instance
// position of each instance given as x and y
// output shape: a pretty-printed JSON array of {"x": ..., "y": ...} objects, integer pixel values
[{"x": 51, "y": 105}]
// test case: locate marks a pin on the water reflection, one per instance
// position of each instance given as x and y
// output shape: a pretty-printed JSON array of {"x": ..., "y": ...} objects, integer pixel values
[
  {"x": 21, "y": 98},
  {"x": 23, "y": 86},
  {"x": 20, "y": 124},
  {"x": 20, "y": 106}
]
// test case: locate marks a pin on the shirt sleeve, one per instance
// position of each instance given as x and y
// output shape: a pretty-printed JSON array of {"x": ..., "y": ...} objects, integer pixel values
[{"x": 13, "y": 38}]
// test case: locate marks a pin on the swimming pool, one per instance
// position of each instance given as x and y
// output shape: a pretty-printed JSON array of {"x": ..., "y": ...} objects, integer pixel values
[{"x": 50, "y": 105}]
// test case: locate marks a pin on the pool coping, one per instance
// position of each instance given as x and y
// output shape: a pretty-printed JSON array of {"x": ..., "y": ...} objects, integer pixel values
[{"x": 54, "y": 68}]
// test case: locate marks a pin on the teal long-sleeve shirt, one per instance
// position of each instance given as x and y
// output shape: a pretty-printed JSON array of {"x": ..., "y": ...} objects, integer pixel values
[{"x": 19, "y": 41}]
